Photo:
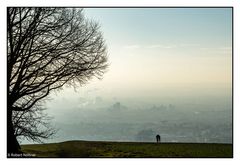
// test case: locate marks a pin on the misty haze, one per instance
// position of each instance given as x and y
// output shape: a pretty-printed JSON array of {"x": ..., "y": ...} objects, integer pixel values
[{"x": 91, "y": 116}]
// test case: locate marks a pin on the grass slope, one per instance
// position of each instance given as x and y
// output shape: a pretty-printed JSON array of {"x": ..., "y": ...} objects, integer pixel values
[{"x": 128, "y": 149}]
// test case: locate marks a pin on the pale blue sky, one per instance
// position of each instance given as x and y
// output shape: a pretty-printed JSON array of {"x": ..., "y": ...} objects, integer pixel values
[
  {"x": 206, "y": 26},
  {"x": 164, "y": 52},
  {"x": 153, "y": 48}
]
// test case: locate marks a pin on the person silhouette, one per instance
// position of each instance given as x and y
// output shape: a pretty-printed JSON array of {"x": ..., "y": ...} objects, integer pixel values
[{"x": 158, "y": 138}]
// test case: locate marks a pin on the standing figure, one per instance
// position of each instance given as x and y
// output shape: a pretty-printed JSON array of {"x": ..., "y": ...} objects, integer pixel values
[{"x": 158, "y": 138}]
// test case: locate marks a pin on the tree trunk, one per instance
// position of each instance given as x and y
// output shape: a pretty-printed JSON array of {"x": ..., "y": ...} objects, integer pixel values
[{"x": 13, "y": 146}]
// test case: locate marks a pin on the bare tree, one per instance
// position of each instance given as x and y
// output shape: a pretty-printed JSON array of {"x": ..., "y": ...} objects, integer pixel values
[
  {"x": 32, "y": 124},
  {"x": 48, "y": 48}
]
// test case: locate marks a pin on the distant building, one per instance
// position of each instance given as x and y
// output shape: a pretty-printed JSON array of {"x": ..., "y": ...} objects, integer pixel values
[
  {"x": 171, "y": 107},
  {"x": 116, "y": 107}
]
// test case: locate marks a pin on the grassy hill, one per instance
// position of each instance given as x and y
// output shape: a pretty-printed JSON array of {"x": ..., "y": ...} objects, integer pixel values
[{"x": 93, "y": 149}]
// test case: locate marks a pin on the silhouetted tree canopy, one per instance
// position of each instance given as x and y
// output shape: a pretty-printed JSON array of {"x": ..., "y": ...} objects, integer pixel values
[{"x": 48, "y": 48}]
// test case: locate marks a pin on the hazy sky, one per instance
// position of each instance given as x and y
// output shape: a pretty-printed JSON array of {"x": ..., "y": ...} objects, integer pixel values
[
  {"x": 163, "y": 52},
  {"x": 158, "y": 48}
]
